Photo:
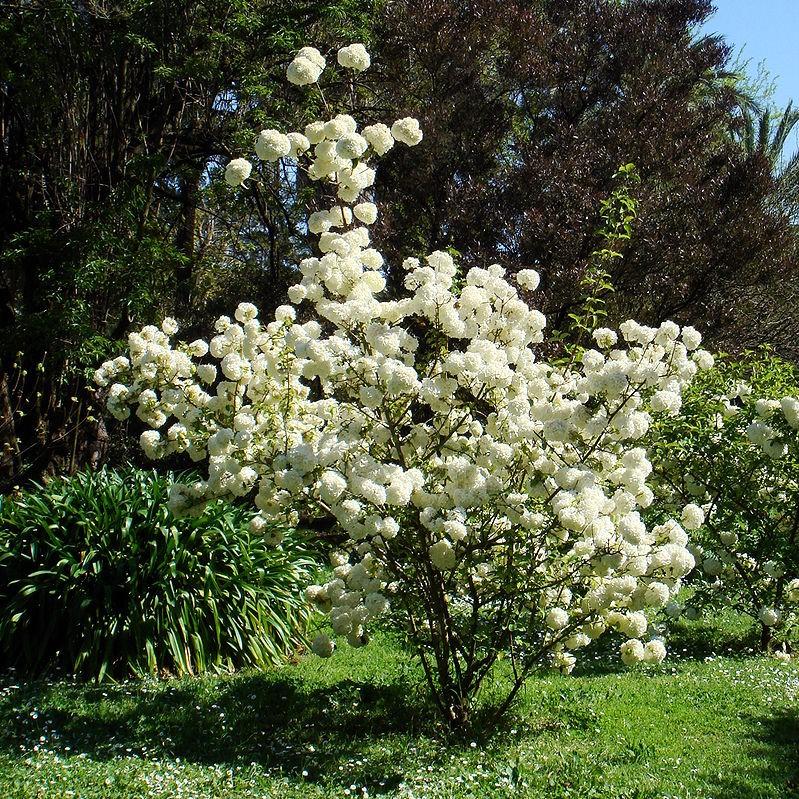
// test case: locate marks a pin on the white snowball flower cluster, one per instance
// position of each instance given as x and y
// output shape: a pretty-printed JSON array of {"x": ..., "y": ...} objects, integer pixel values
[
  {"x": 480, "y": 487},
  {"x": 331, "y": 151},
  {"x": 770, "y": 617},
  {"x": 634, "y": 651},
  {"x": 237, "y": 171},
  {"x": 407, "y": 131},
  {"x": 272, "y": 145},
  {"x": 306, "y": 67},
  {"x": 355, "y": 57}
]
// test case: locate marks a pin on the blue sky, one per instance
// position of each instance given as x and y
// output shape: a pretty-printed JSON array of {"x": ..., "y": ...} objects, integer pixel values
[{"x": 768, "y": 31}]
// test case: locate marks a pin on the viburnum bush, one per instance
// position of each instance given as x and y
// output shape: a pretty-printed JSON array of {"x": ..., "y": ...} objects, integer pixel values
[
  {"x": 489, "y": 498},
  {"x": 734, "y": 453}
]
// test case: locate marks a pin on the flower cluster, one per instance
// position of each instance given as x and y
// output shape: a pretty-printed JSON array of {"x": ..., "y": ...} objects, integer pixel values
[
  {"x": 480, "y": 487},
  {"x": 331, "y": 151}
]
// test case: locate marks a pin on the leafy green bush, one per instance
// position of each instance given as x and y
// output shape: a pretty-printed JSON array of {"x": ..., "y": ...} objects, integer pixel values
[
  {"x": 98, "y": 577},
  {"x": 733, "y": 450}
]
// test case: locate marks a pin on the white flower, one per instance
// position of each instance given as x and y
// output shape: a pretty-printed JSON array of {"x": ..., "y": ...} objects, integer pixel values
[
  {"x": 351, "y": 146},
  {"x": 605, "y": 337},
  {"x": 258, "y": 524},
  {"x": 528, "y": 279},
  {"x": 376, "y": 603},
  {"x": 557, "y": 619},
  {"x": 442, "y": 555},
  {"x": 319, "y": 222},
  {"x": 322, "y": 646},
  {"x": 274, "y": 535},
  {"x": 299, "y": 144},
  {"x": 366, "y": 212},
  {"x": 632, "y": 652},
  {"x": 198, "y": 348},
  {"x": 407, "y": 131},
  {"x": 340, "y": 125},
  {"x": 354, "y": 56},
  {"x": 657, "y": 595},
  {"x": 704, "y": 360},
  {"x": 693, "y": 517},
  {"x": 272, "y": 145},
  {"x": 666, "y": 401},
  {"x": 455, "y": 529},
  {"x": 667, "y": 333},
  {"x": 313, "y": 55},
  {"x": 150, "y": 441},
  {"x": 691, "y": 337},
  {"x": 237, "y": 171},
  {"x": 232, "y": 366},
  {"x": 379, "y": 138},
  {"x": 331, "y": 486},
  {"x": 770, "y": 617},
  {"x": 306, "y": 67},
  {"x": 634, "y": 625},
  {"x": 315, "y": 132},
  {"x": 339, "y": 216},
  {"x": 654, "y": 652},
  {"x": 206, "y": 372},
  {"x": 790, "y": 409},
  {"x": 564, "y": 661},
  {"x": 246, "y": 312}
]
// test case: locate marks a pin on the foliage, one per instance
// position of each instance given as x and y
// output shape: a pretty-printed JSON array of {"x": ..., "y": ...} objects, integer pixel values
[
  {"x": 618, "y": 214},
  {"x": 733, "y": 449},
  {"x": 529, "y": 108},
  {"x": 114, "y": 118},
  {"x": 490, "y": 496},
  {"x": 99, "y": 579},
  {"x": 724, "y": 727},
  {"x": 762, "y": 139}
]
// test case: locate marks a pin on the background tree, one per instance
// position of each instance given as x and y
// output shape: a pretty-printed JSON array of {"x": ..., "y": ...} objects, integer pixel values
[
  {"x": 112, "y": 211},
  {"x": 529, "y": 110},
  {"x": 113, "y": 120},
  {"x": 765, "y": 136}
]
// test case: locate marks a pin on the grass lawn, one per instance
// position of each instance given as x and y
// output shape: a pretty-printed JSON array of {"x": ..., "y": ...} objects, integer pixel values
[{"x": 698, "y": 726}]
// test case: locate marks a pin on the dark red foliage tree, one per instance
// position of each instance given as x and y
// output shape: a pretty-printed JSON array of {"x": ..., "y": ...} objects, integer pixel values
[{"x": 530, "y": 108}]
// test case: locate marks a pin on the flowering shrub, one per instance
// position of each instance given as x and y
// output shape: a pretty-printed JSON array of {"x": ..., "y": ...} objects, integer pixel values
[
  {"x": 490, "y": 498},
  {"x": 734, "y": 454}
]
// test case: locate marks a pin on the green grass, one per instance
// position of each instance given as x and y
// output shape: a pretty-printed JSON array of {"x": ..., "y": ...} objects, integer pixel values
[{"x": 722, "y": 726}]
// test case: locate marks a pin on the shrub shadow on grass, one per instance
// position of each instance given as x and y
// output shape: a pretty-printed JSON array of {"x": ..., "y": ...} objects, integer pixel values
[
  {"x": 686, "y": 642},
  {"x": 728, "y": 636},
  {"x": 277, "y": 720},
  {"x": 774, "y": 745}
]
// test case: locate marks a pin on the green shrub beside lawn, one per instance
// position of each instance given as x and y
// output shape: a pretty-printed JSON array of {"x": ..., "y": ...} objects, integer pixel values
[{"x": 98, "y": 578}]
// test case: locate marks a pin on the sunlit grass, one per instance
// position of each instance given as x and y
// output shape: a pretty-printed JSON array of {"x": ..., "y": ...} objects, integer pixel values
[{"x": 722, "y": 726}]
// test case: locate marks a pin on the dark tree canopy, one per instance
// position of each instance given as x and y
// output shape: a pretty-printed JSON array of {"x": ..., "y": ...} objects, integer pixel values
[
  {"x": 113, "y": 122},
  {"x": 116, "y": 121},
  {"x": 529, "y": 110}
]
